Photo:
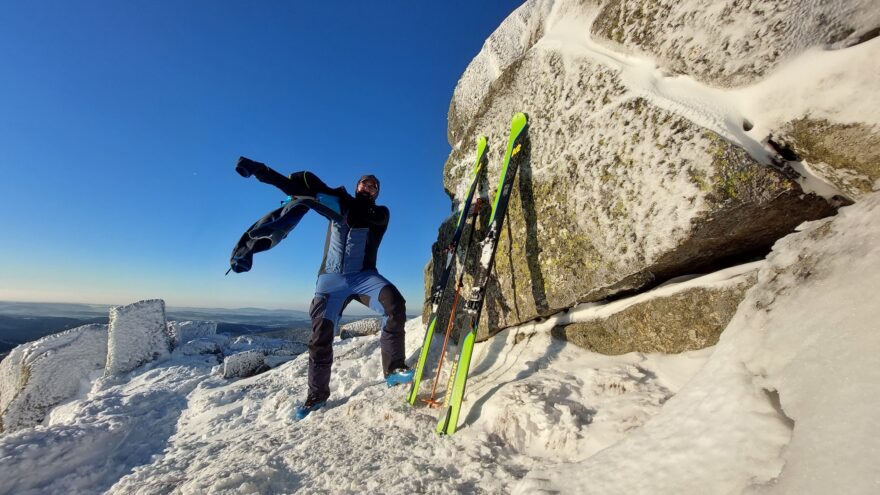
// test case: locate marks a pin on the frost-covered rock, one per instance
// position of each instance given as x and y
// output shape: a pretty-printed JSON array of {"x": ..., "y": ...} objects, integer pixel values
[
  {"x": 213, "y": 344},
  {"x": 37, "y": 376},
  {"x": 267, "y": 346},
  {"x": 301, "y": 335},
  {"x": 138, "y": 334},
  {"x": 793, "y": 382},
  {"x": 244, "y": 364},
  {"x": 360, "y": 328},
  {"x": 248, "y": 355},
  {"x": 184, "y": 331},
  {"x": 519, "y": 32},
  {"x": 847, "y": 155},
  {"x": 668, "y": 319},
  {"x": 733, "y": 42},
  {"x": 635, "y": 175}
]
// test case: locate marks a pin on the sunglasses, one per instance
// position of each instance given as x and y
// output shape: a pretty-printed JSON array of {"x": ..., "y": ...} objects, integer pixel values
[{"x": 368, "y": 185}]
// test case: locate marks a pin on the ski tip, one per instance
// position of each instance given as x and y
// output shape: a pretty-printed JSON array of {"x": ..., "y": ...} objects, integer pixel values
[{"x": 519, "y": 121}]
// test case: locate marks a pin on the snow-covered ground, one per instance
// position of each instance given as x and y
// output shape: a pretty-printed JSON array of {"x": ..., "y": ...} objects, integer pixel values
[
  {"x": 175, "y": 426},
  {"x": 783, "y": 404}
]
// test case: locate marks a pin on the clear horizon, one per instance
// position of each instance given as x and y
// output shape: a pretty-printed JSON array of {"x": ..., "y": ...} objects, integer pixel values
[{"x": 121, "y": 124}]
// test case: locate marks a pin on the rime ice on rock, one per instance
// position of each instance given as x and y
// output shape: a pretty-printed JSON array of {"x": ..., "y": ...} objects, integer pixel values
[
  {"x": 213, "y": 344},
  {"x": 39, "y": 375},
  {"x": 266, "y": 345},
  {"x": 244, "y": 364},
  {"x": 185, "y": 331},
  {"x": 360, "y": 328},
  {"x": 138, "y": 334}
]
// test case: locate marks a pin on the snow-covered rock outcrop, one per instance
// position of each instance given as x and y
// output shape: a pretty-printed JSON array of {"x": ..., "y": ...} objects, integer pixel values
[
  {"x": 787, "y": 402},
  {"x": 37, "y": 376},
  {"x": 244, "y": 364},
  {"x": 138, "y": 334},
  {"x": 682, "y": 316},
  {"x": 635, "y": 174},
  {"x": 185, "y": 331},
  {"x": 360, "y": 328}
]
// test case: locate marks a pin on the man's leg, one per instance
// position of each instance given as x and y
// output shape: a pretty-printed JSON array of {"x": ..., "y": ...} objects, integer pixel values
[
  {"x": 330, "y": 296},
  {"x": 393, "y": 339},
  {"x": 384, "y": 298}
]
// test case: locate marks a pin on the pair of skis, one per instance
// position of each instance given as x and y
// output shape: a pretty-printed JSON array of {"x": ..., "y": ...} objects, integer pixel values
[
  {"x": 451, "y": 251},
  {"x": 458, "y": 377}
]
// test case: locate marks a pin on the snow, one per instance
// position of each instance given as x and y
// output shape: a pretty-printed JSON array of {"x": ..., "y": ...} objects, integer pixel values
[
  {"x": 38, "y": 376},
  {"x": 209, "y": 434},
  {"x": 119, "y": 425},
  {"x": 138, "y": 334},
  {"x": 818, "y": 82},
  {"x": 783, "y": 404},
  {"x": 786, "y": 402}
]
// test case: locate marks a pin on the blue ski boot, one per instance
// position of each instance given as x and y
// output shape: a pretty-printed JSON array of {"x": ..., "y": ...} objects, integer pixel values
[
  {"x": 311, "y": 404},
  {"x": 399, "y": 376}
]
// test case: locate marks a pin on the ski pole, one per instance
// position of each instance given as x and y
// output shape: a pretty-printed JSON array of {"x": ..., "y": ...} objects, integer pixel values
[{"x": 431, "y": 401}]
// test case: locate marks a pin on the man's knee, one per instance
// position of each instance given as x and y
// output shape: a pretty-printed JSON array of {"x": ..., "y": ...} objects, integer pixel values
[{"x": 393, "y": 304}]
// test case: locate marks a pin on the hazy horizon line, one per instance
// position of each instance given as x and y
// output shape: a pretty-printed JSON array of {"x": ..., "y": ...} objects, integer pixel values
[{"x": 104, "y": 305}]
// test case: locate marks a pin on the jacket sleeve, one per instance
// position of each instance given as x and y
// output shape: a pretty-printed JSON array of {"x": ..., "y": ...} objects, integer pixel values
[{"x": 303, "y": 183}]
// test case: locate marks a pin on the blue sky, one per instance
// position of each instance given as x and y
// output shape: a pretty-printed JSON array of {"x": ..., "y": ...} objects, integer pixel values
[{"x": 120, "y": 123}]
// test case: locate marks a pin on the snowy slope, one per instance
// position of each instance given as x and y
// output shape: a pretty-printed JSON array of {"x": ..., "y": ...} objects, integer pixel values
[
  {"x": 783, "y": 404},
  {"x": 176, "y": 426},
  {"x": 787, "y": 402}
]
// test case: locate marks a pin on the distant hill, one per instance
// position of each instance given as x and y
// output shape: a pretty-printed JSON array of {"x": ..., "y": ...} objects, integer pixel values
[{"x": 22, "y": 322}]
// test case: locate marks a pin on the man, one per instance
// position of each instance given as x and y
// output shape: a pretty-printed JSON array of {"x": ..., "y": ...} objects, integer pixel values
[{"x": 348, "y": 273}]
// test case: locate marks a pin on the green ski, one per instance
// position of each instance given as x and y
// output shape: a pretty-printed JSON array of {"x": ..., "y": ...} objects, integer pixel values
[
  {"x": 451, "y": 251},
  {"x": 458, "y": 377}
]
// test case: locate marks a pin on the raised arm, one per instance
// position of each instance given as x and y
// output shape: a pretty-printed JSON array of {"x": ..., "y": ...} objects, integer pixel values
[{"x": 296, "y": 184}]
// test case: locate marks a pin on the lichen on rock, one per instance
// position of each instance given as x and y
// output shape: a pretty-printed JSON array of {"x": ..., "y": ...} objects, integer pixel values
[
  {"x": 847, "y": 155},
  {"x": 618, "y": 192},
  {"x": 685, "y": 321}
]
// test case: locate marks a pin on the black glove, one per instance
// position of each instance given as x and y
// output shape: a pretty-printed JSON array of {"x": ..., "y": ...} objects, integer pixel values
[{"x": 247, "y": 167}]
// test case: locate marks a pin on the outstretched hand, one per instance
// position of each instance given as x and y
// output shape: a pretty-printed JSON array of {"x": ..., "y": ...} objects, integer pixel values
[{"x": 247, "y": 167}]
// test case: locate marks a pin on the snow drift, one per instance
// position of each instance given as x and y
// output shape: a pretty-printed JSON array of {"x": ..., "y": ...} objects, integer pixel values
[{"x": 787, "y": 400}]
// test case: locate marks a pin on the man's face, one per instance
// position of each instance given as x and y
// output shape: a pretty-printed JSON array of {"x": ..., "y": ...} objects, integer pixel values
[{"x": 367, "y": 188}]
